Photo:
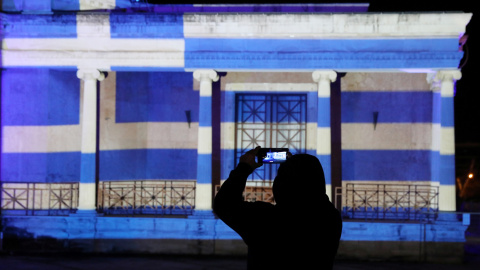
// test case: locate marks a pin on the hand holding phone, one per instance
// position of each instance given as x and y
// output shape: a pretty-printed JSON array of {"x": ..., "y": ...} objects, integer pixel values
[{"x": 272, "y": 155}]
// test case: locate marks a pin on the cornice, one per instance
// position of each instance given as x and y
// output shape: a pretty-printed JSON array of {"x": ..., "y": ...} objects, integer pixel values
[{"x": 353, "y": 25}]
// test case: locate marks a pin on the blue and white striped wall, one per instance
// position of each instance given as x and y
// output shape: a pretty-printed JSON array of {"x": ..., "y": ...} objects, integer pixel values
[
  {"x": 225, "y": 42},
  {"x": 404, "y": 144},
  {"x": 151, "y": 57},
  {"x": 143, "y": 126}
]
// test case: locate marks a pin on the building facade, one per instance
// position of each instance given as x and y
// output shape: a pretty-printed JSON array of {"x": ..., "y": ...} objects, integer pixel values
[{"x": 108, "y": 111}]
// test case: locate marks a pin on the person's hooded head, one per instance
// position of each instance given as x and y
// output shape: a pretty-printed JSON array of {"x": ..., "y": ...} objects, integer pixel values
[{"x": 300, "y": 180}]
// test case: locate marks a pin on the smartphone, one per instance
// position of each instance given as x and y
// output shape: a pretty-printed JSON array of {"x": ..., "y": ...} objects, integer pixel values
[{"x": 272, "y": 155}]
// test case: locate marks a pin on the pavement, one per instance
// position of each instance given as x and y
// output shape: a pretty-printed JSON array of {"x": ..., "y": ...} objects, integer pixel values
[{"x": 137, "y": 262}]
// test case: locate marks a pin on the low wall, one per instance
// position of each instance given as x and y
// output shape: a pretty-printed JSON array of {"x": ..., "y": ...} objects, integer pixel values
[{"x": 442, "y": 241}]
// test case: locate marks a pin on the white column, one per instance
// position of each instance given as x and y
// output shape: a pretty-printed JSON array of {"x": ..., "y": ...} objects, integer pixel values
[
  {"x": 324, "y": 142},
  {"x": 447, "y": 194},
  {"x": 87, "y": 188},
  {"x": 204, "y": 150}
]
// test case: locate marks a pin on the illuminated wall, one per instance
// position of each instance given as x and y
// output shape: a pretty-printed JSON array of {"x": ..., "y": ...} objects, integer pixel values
[
  {"x": 144, "y": 132},
  {"x": 389, "y": 127},
  {"x": 154, "y": 113},
  {"x": 40, "y": 121}
]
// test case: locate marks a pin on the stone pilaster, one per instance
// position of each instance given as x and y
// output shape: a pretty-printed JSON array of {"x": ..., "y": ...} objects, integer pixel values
[
  {"x": 324, "y": 78},
  {"x": 446, "y": 170},
  {"x": 204, "y": 162},
  {"x": 87, "y": 187}
]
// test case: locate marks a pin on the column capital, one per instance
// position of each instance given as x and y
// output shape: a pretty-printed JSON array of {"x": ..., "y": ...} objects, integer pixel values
[
  {"x": 322, "y": 75},
  {"x": 449, "y": 75},
  {"x": 205, "y": 74},
  {"x": 90, "y": 74}
]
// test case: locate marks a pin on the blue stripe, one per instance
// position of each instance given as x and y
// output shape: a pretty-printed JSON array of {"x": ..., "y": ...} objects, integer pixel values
[
  {"x": 228, "y": 112},
  {"x": 326, "y": 161},
  {"x": 323, "y": 117},
  {"x": 437, "y": 107},
  {"x": 39, "y": 26},
  {"x": 205, "y": 118},
  {"x": 87, "y": 168},
  {"x": 149, "y": 25},
  {"x": 156, "y": 97},
  {"x": 70, "y": 5},
  {"x": 204, "y": 169},
  {"x": 147, "y": 69},
  {"x": 312, "y": 106},
  {"x": 447, "y": 170},
  {"x": 41, "y": 167},
  {"x": 138, "y": 164},
  {"x": 386, "y": 165},
  {"x": 40, "y": 97},
  {"x": 228, "y": 162},
  {"x": 392, "y": 107},
  {"x": 320, "y": 45},
  {"x": 447, "y": 112},
  {"x": 435, "y": 166},
  {"x": 320, "y": 60}
]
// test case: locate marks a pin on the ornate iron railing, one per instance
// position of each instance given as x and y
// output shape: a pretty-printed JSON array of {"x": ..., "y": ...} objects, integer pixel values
[
  {"x": 147, "y": 197},
  {"x": 390, "y": 201},
  {"x": 256, "y": 193},
  {"x": 39, "y": 198}
]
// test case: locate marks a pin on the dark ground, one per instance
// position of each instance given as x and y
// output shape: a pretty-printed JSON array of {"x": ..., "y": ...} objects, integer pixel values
[{"x": 130, "y": 262}]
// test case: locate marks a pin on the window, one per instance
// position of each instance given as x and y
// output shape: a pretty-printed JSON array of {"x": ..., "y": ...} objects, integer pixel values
[{"x": 270, "y": 120}]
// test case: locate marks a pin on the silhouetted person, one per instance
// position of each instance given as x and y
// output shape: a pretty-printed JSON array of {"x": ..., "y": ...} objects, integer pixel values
[{"x": 301, "y": 231}]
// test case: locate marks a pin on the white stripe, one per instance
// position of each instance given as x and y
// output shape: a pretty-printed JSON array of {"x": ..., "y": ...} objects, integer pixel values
[
  {"x": 96, "y": 4},
  {"x": 122, "y": 136},
  {"x": 447, "y": 145},
  {"x": 311, "y": 143},
  {"x": 277, "y": 87},
  {"x": 94, "y": 44},
  {"x": 97, "y": 59},
  {"x": 227, "y": 135},
  {"x": 340, "y": 25},
  {"x": 447, "y": 199},
  {"x": 324, "y": 143},
  {"x": 93, "y": 25},
  {"x": 384, "y": 82},
  {"x": 328, "y": 191},
  {"x": 203, "y": 197},
  {"x": 86, "y": 196},
  {"x": 386, "y": 136},
  {"x": 148, "y": 135},
  {"x": 41, "y": 139},
  {"x": 204, "y": 140}
]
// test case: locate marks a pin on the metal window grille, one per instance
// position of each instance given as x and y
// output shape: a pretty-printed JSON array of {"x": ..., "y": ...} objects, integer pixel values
[{"x": 270, "y": 120}]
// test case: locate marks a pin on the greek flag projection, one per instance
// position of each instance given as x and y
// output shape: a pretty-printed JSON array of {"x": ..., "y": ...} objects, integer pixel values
[{"x": 113, "y": 121}]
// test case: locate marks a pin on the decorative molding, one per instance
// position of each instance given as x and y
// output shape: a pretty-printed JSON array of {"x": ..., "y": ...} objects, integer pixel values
[
  {"x": 324, "y": 75},
  {"x": 90, "y": 74},
  {"x": 321, "y": 60},
  {"x": 205, "y": 75}
]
